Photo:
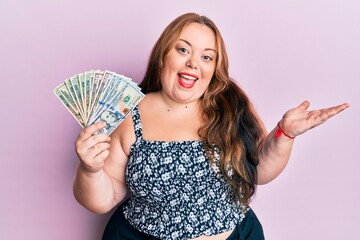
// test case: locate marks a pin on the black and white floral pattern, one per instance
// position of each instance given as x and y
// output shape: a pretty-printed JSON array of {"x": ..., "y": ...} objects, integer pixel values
[{"x": 176, "y": 193}]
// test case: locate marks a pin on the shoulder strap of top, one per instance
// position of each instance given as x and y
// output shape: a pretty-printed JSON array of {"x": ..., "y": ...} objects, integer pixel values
[{"x": 137, "y": 123}]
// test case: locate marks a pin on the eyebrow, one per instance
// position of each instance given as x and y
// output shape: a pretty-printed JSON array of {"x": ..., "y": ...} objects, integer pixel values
[{"x": 206, "y": 49}]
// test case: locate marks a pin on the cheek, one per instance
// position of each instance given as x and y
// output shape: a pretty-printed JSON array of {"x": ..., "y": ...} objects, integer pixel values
[
  {"x": 166, "y": 71},
  {"x": 169, "y": 73},
  {"x": 209, "y": 71},
  {"x": 171, "y": 62},
  {"x": 205, "y": 82}
]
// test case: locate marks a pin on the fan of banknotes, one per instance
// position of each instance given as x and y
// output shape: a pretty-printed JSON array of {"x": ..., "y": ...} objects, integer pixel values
[{"x": 96, "y": 96}]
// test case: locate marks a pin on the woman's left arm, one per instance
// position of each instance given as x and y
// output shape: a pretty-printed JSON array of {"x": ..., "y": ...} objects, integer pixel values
[{"x": 275, "y": 149}]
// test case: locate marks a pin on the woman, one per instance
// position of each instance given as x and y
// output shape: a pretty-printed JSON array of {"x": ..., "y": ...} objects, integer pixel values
[{"x": 190, "y": 156}]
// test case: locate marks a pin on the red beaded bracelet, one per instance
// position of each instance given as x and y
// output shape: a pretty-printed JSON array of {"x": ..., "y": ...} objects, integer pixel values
[{"x": 281, "y": 131}]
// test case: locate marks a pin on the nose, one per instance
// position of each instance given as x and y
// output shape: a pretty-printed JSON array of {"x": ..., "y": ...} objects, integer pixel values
[{"x": 191, "y": 63}]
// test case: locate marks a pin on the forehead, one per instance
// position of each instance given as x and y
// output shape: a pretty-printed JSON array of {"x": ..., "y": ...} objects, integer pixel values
[{"x": 199, "y": 35}]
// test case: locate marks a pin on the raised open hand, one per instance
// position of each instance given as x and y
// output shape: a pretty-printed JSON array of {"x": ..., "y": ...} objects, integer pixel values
[{"x": 298, "y": 120}]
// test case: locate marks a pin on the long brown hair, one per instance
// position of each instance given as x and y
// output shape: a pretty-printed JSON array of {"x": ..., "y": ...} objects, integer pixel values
[{"x": 231, "y": 122}]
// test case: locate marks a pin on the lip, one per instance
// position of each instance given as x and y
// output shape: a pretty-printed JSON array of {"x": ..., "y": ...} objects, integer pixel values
[
  {"x": 187, "y": 83},
  {"x": 189, "y": 74}
]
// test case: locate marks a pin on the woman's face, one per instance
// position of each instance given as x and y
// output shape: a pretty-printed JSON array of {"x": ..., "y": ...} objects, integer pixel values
[{"x": 190, "y": 64}]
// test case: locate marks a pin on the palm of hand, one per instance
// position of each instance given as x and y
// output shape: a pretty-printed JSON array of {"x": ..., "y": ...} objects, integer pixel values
[{"x": 298, "y": 120}]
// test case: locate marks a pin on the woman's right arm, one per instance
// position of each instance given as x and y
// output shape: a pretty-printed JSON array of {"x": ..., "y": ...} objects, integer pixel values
[{"x": 99, "y": 183}]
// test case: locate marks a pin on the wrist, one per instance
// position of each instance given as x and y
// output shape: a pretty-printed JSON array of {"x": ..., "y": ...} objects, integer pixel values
[
  {"x": 280, "y": 131},
  {"x": 88, "y": 171}
]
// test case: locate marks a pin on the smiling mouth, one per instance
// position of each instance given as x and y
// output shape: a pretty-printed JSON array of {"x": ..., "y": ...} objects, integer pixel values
[{"x": 187, "y": 80}]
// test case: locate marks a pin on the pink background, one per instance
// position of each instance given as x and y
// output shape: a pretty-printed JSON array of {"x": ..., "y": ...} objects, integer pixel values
[{"x": 281, "y": 52}]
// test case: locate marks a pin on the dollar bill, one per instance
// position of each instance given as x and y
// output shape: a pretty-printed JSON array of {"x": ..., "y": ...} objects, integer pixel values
[
  {"x": 116, "y": 111},
  {"x": 76, "y": 91},
  {"x": 63, "y": 94},
  {"x": 81, "y": 78},
  {"x": 114, "y": 88},
  {"x": 73, "y": 95},
  {"x": 98, "y": 75},
  {"x": 89, "y": 76},
  {"x": 95, "y": 96},
  {"x": 103, "y": 88}
]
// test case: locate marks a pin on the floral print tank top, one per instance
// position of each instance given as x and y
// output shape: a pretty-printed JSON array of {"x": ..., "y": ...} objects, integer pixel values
[{"x": 175, "y": 192}]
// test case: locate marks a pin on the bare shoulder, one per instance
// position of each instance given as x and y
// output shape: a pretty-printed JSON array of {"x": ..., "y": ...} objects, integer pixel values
[
  {"x": 149, "y": 100},
  {"x": 150, "y": 103}
]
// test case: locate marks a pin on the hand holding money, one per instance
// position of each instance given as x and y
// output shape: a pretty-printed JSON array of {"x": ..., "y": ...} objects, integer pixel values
[
  {"x": 99, "y": 96},
  {"x": 92, "y": 149}
]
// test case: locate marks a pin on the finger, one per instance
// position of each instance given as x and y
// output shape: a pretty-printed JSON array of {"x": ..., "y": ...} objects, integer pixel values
[
  {"x": 334, "y": 110},
  {"x": 342, "y": 107},
  {"x": 102, "y": 156},
  {"x": 91, "y": 130},
  {"x": 97, "y": 149},
  {"x": 326, "y": 113},
  {"x": 304, "y": 105},
  {"x": 330, "y": 112},
  {"x": 83, "y": 147},
  {"x": 96, "y": 163},
  {"x": 95, "y": 139}
]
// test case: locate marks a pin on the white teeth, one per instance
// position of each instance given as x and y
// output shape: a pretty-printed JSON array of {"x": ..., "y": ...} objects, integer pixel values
[{"x": 188, "y": 77}]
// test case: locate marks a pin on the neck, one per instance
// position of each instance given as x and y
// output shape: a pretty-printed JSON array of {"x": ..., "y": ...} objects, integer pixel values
[{"x": 172, "y": 105}]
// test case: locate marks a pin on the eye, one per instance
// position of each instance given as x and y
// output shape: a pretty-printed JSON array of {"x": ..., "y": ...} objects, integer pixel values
[
  {"x": 207, "y": 58},
  {"x": 182, "y": 50}
]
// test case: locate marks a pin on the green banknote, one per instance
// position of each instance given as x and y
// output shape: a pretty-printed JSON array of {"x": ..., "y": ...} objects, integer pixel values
[{"x": 99, "y": 96}]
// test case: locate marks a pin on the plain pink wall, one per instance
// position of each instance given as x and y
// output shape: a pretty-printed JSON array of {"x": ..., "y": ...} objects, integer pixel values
[{"x": 281, "y": 52}]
